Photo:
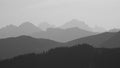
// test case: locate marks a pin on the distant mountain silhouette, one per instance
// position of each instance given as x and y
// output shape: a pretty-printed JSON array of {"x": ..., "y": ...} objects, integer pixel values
[
  {"x": 98, "y": 29},
  {"x": 114, "y": 30},
  {"x": 113, "y": 42},
  {"x": 44, "y": 26},
  {"x": 14, "y": 46},
  {"x": 81, "y": 56},
  {"x": 95, "y": 40},
  {"x": 76, "y": 23},
  {"x": 63, "y": 35},
  {"x": 28, "y": 28},
  {"x": 14, "y": 31},
  {"x": 44, "y": 31},
  {"x": 9, "y": 31}
]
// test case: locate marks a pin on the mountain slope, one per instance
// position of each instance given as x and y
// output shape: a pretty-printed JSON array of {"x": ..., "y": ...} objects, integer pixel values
[
  {"x": 63, "y": 35},
  {"x": 28, "y": 28},
  {"x": 113, "y": 42},
  {"x": 94, "y": 40},
  {"x": 10, "y": 47}
]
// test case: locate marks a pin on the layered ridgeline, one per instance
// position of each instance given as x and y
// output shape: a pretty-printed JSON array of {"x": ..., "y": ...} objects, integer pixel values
[
  {"x": 44, "y": 26},
  {"x": 46, "y": 31},
  {"x": 76, "y": 23},
  {"x": 81, "y": 25},
  {"x": 14, "y": 41},
  {"x": 80, "y": 56},
  {"x": 14, "y": 31},
  {"x": 63, "y": 35},
  {"x": 95, "y": 40},
  {"x": 14, "y": 46},
  {"x": 103, "y": 40},
  {"x": 113, "y": 42}
]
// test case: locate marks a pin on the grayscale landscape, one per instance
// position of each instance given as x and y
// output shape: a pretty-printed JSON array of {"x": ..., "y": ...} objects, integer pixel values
[{"x": 59, "y": 34}]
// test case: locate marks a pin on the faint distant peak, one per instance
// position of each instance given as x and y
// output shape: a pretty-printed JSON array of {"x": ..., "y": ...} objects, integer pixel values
[
  {"x": 28, "y": 28},
  {"x": 76, "y": 23},
  {"x": 45, "y": 25},
  {"x": 114, "y": 30},
  {"x": 99, "y": 29},
  {"x": 74, "y": 28},
  {"x": 11, "y": 26},
  {"x": 27, "y": 24}
]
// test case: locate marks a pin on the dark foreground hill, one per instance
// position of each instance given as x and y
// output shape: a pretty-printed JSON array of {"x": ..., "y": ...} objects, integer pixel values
[
  {"x": 81, "y": 56},
  {"x": 14, "y": 46}
]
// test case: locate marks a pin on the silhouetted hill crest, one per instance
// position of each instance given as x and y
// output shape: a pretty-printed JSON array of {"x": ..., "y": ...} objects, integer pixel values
[
  {"x": 95, "y": 40},
  {"x": 13, "y": 46}
]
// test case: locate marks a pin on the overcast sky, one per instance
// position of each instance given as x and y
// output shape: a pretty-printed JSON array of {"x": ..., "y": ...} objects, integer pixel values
[{"x": 104, "y": 13}]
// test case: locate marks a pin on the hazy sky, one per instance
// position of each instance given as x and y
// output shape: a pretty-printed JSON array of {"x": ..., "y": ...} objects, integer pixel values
[{"x": 104, "y": 13}]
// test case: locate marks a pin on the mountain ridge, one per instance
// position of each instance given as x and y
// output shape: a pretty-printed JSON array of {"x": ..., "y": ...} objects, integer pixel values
[
  {"x": 24, "y": 44},
  {"x": 53, "y": 33},
  {"x": 95, "y": 40},
  {"x": 63, "y": 35},
  {"x": 76, "y": 23},
  {"x": 113, "y": 42}
]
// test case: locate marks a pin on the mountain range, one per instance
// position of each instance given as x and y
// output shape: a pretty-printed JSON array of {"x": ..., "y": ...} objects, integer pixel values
[
  {"x": 76, "y": 23},
  {"x": 82, "y": 25},
  {"x": 102, "y": 40},
  {"x": 14, "y": 46},
  {"x": 14, "y": 31},
  {"x": 63, "y": 35},
  {"x": 45, "y": 31},
  {"x": 44, "y": 26},
  {"x": 28, "y": 38},
  {"x": 94, "y": 40}
]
